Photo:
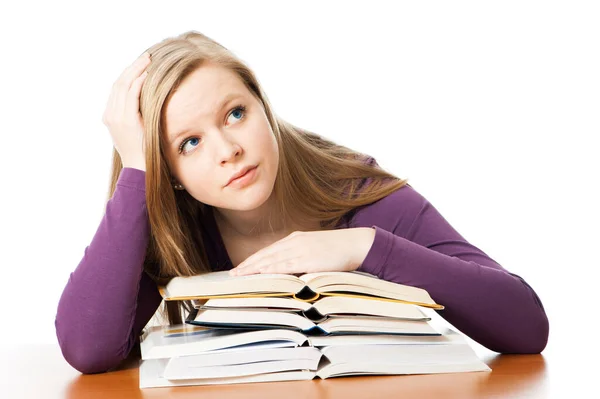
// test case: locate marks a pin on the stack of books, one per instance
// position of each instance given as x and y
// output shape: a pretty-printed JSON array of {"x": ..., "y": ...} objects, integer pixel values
[{"x": 279, "y": 327}]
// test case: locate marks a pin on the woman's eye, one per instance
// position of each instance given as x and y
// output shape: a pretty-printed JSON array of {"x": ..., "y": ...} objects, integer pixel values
[
  {"x": 238, "y": 113},
  {"x": 182, "y": 148},
  {"x": 239, "y": 110}
]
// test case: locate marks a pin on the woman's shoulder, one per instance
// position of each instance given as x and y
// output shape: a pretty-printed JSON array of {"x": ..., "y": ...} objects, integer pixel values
[
  {"x": 402, "y": 205},
  {"x": 405, "y": 197},
  {"x": 399, "y": 209}
]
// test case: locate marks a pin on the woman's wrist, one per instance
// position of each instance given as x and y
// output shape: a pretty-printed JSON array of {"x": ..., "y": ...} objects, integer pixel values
[{"x": 363, "y": 244}]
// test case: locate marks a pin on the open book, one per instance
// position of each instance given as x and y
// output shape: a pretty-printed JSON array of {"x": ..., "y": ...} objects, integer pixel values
[
  {"x": 232, "y": 364},
  {"x": 159, "y": 342},
  {"x": 320, "y": 310},
  {"x": 307, "y": 287},
  {"x": 247, "y": 319},
  {"x": 348, "y": 355}
]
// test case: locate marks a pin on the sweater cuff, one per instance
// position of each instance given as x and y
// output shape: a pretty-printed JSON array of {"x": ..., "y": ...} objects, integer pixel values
[
  {"x": 134, "y": 178},
  {"x": 378, "y": 254}
]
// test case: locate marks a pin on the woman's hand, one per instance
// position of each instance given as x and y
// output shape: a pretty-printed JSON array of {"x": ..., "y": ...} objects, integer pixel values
[
  {"x": 302, "y": 252},
  {"x": 122, "y": 115}
]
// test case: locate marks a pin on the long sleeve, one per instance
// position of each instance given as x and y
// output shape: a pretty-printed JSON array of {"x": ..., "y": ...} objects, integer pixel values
[
  {"x": 415, "y": 245},
  {"x": 108, "y": 299}
]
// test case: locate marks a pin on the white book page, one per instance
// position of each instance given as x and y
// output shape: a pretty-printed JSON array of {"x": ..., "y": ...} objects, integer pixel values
[
  {"x": 152, "y": 376},
  {"x": 155, "y": 344},
  {"x": 232, "y": 357},
  {"x": 254, "y": 317},
  {"x": 347, "y": 369},
  {"x": 373, "y": 339},
  {"x": 399, "y": 354},
  {"x": 374, "y": 325},
  {"x": 173, "y": 372}
]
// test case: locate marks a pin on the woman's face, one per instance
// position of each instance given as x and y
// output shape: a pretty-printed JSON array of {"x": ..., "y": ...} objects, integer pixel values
[{"x": 219, "y": 139}]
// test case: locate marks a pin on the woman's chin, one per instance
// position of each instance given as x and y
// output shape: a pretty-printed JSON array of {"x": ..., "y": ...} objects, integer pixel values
[{"x": 248, "y": 200}]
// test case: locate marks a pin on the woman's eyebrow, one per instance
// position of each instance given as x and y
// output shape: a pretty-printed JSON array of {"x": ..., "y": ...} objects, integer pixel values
[{"x": 228, "y": 98}]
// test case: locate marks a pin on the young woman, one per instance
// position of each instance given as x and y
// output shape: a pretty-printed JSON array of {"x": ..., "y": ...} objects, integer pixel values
[{"x": 206, "y": 177}]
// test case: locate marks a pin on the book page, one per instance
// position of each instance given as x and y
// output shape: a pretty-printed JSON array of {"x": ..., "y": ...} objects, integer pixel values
[
  {"x": 164, "y": 342},
  {"x": 377, "y": 325},
  {"x": 360, "y": 282},
  {"x": 152, "y": 371},
  {"x": 263, "y": 303},
  {"x": 343, "y": 305},
  {"x": 308, "y": 277},
  {"x": 221, "y": 283},
  {"x": 173, "y": 372},
  {"x": 226, "y": 358},
  {"x": 254, "y": 317}
]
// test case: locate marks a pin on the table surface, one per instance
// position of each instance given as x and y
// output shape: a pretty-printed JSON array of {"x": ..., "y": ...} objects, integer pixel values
[{"x": 40, "y": 371}]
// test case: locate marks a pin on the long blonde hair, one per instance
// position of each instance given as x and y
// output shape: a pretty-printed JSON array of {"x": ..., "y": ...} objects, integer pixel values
[{"x": 316, "y": 178}]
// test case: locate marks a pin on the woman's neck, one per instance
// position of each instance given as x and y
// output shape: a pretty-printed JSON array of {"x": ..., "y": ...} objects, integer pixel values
[{"x": 259, "y": 228}]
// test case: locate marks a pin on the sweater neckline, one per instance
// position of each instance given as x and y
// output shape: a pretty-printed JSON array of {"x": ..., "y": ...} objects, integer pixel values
[{"x": 222, "y": 255}]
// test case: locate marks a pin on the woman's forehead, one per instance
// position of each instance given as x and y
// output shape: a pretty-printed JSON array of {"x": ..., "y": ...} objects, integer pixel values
[{"x": 200, "y": 99}]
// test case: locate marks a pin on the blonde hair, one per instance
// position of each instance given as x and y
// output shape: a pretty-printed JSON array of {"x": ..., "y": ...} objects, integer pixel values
[{"x": 316, "y": 178}]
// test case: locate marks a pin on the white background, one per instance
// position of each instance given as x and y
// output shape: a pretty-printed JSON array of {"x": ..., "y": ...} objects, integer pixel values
[{"x": 490, "y": 110}]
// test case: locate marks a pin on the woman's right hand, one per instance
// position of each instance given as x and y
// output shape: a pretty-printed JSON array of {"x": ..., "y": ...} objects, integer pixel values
[{"x": 122, "y": 115}]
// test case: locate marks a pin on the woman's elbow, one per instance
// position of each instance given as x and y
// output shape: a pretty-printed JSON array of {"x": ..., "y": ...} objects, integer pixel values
[
  {"x": 87, "y": 363},
  {"x": 537, "y": 338},
  {"x": 86, "y": 357},
  {"x": 530, "y": 338}
]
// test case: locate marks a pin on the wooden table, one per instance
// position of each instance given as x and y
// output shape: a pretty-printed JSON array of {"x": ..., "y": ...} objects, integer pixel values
[{"x": 39, "y": 371}]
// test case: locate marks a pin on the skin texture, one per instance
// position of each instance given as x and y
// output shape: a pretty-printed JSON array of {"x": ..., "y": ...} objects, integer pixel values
[
  {"x": 309, "y": 252},
  {"x": 223, "y": 141},
  {"x": 219, "y": 140},
  {"x": 122, "y": 116}
]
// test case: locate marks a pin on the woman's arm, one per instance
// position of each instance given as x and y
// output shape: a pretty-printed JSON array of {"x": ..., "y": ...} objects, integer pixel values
[
  {"x": 415, "y": 245},
  {"x": 108, "y": 299}
]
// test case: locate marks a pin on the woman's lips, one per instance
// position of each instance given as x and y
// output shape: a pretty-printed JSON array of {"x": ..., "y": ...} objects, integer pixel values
[{"x": 244, "y": 180}]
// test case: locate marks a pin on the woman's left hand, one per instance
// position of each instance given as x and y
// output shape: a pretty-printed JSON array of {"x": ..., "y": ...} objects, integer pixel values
[{"x": 338, "y": 250}]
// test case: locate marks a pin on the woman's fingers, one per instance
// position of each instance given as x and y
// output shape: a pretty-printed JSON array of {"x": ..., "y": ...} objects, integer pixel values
[
  {"x": 133, "y": 71},
  {"x": 132, "y": 103},
  {"x": 118, "y": 95},
  {"x": 122, "y": 115},
  {"x": 124, "y": 83}
]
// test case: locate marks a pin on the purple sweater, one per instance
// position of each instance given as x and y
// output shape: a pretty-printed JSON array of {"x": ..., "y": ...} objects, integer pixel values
[{"x": 109, "y": 299}]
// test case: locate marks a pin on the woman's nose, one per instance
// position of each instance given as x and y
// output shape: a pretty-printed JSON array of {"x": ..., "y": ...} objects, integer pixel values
[{"x": 227, "y": 147}]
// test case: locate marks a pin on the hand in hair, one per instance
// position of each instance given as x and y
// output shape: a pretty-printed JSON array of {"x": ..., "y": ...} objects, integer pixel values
[
  {"x": 122, "y": 114},
  {"x": 302, "y": 252}
]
